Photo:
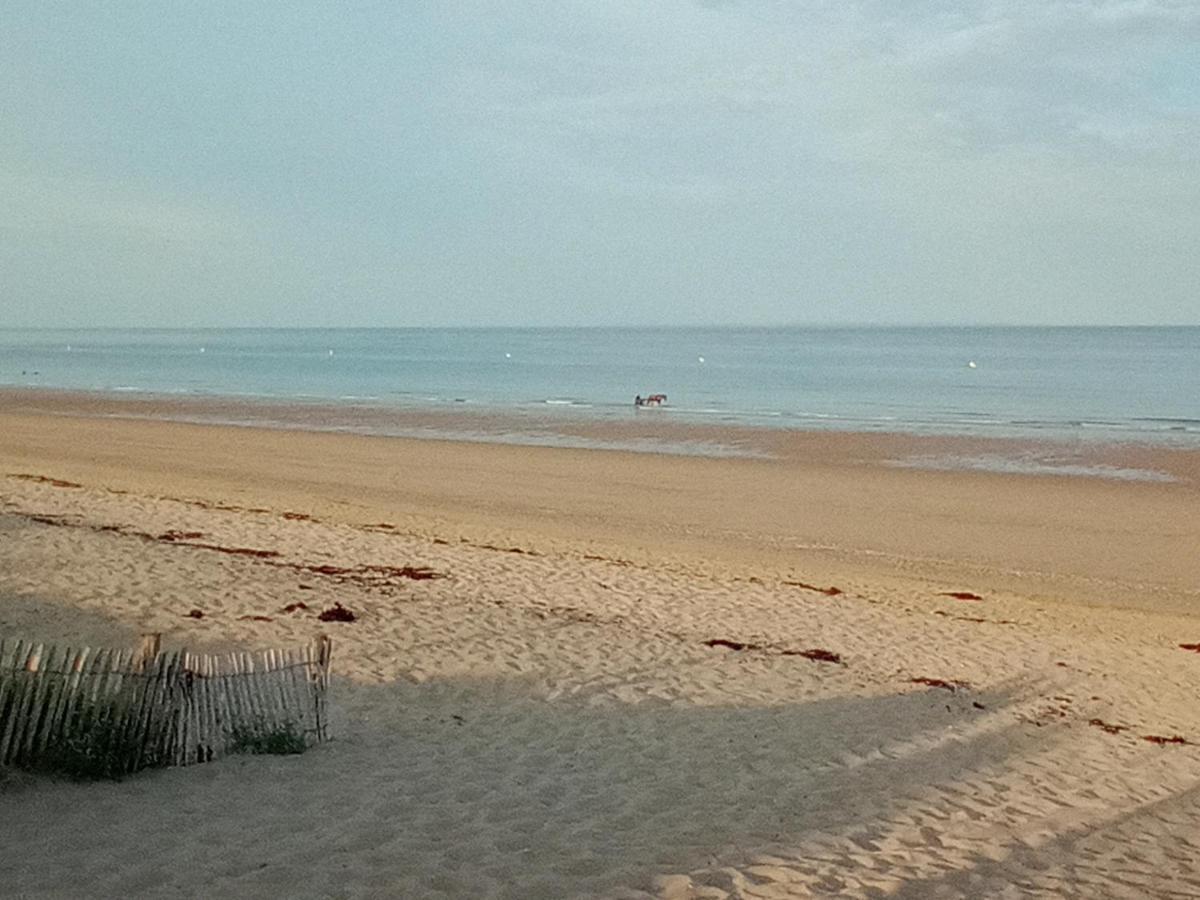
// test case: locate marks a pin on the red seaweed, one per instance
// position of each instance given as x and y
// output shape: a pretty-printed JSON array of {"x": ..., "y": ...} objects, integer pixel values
[
  {"x": 337, "y": 613},
  {"x": 326, "y": 570},
  {"x": 732, "y": 645},
  {"x": 827, "y": 591},
  {"x": 238, "y": 551},
  {"x": 172, "y": 536},
  {"x": 376, "y": 573},
  {"x": 49, "y": 520},
  {"x": 520, "y": 550},
  {"x": 413, "y": 573},
  {"x": 960, "y": 595},
  {"x": 53, "y": 482},
  {"x": 816, "y": 654},
  {"x": 1163, "y": 741}
]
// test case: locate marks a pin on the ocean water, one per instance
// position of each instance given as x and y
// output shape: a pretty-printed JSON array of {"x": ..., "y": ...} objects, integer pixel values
[{"x": 1105, "y": 383}]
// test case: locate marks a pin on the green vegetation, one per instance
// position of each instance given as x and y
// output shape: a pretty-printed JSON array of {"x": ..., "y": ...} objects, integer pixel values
[
  {"x": 102, "y": 742},
  {"x": 277, "y": 738},
  {"x": 97, "y": 739}
]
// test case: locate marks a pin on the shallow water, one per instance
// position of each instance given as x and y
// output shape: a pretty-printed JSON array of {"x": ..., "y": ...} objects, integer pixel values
[{"x": 1110, "y": 384}]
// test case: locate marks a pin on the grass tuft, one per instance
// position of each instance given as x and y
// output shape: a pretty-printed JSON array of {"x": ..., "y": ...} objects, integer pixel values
[
  {"x": 102, "y": 744},
  {"x": 280, "y": 739}
]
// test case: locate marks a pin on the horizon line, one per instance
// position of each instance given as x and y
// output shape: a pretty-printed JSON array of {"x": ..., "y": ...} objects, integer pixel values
[{"x": 596, "y": 326}]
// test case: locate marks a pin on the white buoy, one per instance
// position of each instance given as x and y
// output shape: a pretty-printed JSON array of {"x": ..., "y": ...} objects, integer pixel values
[
  {"x": 201, "y": 349},
  {"x": 68, "y": 348},
  {"x": 508, "y": 356},
  {"x": 700, "y": 359},
  {"x": 331, "y": 353},
  {"x": 971, "y": 364}
]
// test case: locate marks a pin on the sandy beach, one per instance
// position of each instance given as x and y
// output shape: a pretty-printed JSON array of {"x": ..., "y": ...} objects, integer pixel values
[{"x": 613, "y": 687}]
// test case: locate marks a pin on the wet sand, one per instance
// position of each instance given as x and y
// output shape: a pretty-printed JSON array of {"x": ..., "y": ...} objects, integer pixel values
[{"x": 810, "y": 501}]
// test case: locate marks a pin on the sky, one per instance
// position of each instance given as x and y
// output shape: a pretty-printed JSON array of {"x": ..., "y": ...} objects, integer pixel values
[{"x": 471, "y": 163}]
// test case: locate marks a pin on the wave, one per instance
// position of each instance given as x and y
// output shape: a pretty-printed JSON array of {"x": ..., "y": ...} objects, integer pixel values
[
  {"x": 575, "y": 404},
  {"x": 1171, "y": 420},
  {"x": 850, "y": 410},
  {"x": 1024, "y": 465}
]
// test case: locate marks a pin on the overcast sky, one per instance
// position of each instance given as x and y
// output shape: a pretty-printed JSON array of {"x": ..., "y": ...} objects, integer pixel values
[{"x": 1027, "y": 161}]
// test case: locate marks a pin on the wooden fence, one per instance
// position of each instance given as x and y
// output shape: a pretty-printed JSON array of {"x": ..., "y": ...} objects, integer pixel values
[{"x": 112, "y": 712}]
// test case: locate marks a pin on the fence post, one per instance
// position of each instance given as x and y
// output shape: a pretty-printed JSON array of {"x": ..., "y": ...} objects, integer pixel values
[
  {"x": 147, "y": 650},
  {"x": 321, "y": 650},
  {"x": 177, "y": 707}
]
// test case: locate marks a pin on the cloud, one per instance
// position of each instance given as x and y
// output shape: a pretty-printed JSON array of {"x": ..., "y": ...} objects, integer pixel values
[
  {"x": 873, "y": 153},
  {"x": 950, "y": 80},
  {"x": 51, "y": 204}
]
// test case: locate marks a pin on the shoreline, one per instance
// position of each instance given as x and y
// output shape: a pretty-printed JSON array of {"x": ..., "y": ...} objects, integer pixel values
[
  {"x": 1082, "y": 456},
  {"x": 563, "y": 422},
  {"x": 827, "y": 503}
]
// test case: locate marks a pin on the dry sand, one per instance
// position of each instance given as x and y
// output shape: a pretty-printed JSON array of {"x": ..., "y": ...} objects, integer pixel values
[{"x": 547, "y": 720}]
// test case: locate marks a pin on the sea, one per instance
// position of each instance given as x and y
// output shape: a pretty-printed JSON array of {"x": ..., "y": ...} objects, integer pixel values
[{"x": 1108, "y": 384}]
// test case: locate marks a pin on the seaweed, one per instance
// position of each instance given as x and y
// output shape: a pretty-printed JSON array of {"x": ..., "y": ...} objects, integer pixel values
[
  {"x": 168, "y": 536},
  {"x": 946, "y": 685},
  {"x": 732, "y": 645},
  {"x": 1163, "y": 741},
  {"x": 53, "y": 482},
  {"x": 827, "y": 591},
  {"x": 816, "y": 654},
  {"x": 336, "y": 613}
]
